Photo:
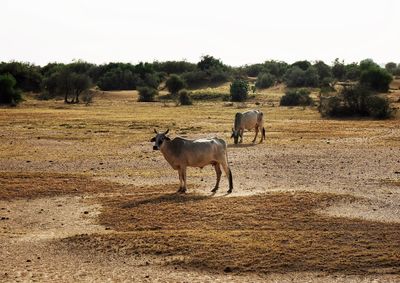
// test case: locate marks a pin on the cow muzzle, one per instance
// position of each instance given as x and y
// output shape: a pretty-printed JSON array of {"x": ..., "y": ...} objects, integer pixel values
[{"x": 155, "y": 147}]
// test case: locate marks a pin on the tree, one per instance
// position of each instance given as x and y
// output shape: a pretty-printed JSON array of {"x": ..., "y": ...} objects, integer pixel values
[
  {"x": 8, "y": 93},
  {"x": 324, "y": 71},
  {"x": 174, "y": 84},
  {"x": 304, "y": 65},
  {"x": 376, "y": 78},
  {"x": 239, "y": 90},
  {"x": 391, "y": 68},
  {"x": 265, "y": 80},
  {"x": 338, "y": 69},
  {"x": 208, "y": 62},
  {"x": 27, "y": 76}
]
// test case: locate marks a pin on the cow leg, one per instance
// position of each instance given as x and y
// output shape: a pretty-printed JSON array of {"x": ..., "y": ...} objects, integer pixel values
[
  {"x": 184, "y": 188},
  {"x": 219, "y": 173},
  {"x": 228, "y": 174},
  {"x": 255, "y": 137},
  {"x": 180, "y": 181},
  {"x": 241, "y": 135}
]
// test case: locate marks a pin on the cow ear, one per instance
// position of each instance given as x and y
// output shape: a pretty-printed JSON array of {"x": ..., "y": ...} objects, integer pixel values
[
  {"x": 166, "y": 132},
  {"x": 233, "y": 130},
  {"x": 153, "y": 139},
  {"x": 167, "y": 138},
  {"x": 155, "y": 131},
  {"x": 232, "y": 135}
]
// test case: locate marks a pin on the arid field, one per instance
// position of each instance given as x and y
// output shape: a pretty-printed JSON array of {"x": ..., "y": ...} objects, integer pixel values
[{"x": 83, "y": 197}]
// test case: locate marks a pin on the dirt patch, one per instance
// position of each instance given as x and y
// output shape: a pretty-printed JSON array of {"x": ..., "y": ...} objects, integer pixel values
[{"x": 266, "y": 233}]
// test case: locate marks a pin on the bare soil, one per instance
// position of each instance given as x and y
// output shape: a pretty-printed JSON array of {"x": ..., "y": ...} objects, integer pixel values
[{"x": 84, "y": 198}]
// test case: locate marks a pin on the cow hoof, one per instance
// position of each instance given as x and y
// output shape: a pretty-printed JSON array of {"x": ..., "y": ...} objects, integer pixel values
[
  {"x": 181, "y": 191},
  {"x": 214, "y": 190},
  {"x": 229, "y": 191}
]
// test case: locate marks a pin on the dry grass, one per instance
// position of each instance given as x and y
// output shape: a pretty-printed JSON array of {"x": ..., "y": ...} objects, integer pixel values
[
  {"x": 37, "y": 185},
  {"x": 65, "y": 149},
  {"x": 265, "y": 233}
]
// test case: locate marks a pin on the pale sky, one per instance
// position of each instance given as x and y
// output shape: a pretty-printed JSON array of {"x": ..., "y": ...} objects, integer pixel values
[{"x": 237, "y": 32}]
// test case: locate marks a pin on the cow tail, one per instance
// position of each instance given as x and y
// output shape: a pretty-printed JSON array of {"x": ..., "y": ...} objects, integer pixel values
[{"x": 230, "y": 180}]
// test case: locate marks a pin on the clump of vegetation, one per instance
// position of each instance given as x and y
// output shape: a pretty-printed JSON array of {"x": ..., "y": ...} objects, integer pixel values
[
  {"x": 265, "y": 80},
  {"x": 9, "y": 94},
  {"x": 146, "y": 94},
  {"x": 184, "y": 97},
  {"x": 174, "y": 84},
  {"x": 27, "y": 76},
  {"x": 376, "y": 78},
  {"x": 297, "y": 77},
  {"x": 239, "y": 90},
  {"x": 209, "y": 95},
  {"x": 357, "y": 100},
  {"x": 296, "y": 97}
]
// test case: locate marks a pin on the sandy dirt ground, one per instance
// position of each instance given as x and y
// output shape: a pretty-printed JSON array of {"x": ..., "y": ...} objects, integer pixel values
[{"x": 62, "y": 169}]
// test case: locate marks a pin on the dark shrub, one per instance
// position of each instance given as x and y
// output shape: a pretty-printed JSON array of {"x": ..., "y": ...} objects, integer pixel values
[
  {"x": 174, "y": 84},
  {"x": 195, "y": 78},
  {"x": 338, "y": 70},
  {"x": 355, "y": 100},
  {"x": 378, "y": 107},
  {"x": 323, "y": 70},
  {"x": 8, "y": 93},
  {"x": 265, "y": 80},
  {"x": 174, "y": 67},
  {"x": 239, "y": 90},
  {"x": 184, "y": 97},
  {"x": 376, "y": 78},
  {"x": 296, "y": 97},
  {"x": 146, "y": 94},
  {"x": 294, "y": 77},
  {"x": 304, "y": 65},
  {"x": 275, "y": 68},
  {"x": 28, "y": 76},
  {"x": 352, "y": 72},
  {"x": 218, "y": 75},
  {"x": 391, "y": 67},
  {"x": 208, "y": 62},
  {"x": 253, "y": 70}
]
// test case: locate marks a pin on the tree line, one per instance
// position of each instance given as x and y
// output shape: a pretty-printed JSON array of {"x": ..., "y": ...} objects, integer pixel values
[{"x": 71, "y": 80}]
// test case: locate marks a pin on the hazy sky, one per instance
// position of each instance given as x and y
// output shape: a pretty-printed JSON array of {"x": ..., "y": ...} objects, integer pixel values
[{"x": 237, "y": 32}]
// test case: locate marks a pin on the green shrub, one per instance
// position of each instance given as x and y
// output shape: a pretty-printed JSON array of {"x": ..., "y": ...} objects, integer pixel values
[
  {"x": 195, "y": 78},
  {"x": 184, "y": 97},
  {"x": 376, "y": 78},
  {"x": 378, "y": 107},
  {"x": 239, "y": 90},
  {"x": 146, "y": 94},
  {"x": 174, "y": 84},
  {"x": 209, "y": 95},
  {"x": 355, "y": 100},
  {"x": 8, "y": 93},
  {"x": 296, "y": 97},
  {"x": 265, "y": 80},
  {"x": 27, "y": 76}
]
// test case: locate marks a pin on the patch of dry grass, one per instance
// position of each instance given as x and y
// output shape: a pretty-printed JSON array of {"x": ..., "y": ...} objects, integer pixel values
[
  {"x": 35, "y": 185},
  {"x": 267, "y": 233}
]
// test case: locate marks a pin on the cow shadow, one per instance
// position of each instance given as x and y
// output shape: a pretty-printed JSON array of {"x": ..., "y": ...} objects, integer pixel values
[
  {"x": 166, "y": 198},
  {"x": 241, "y": 145}
]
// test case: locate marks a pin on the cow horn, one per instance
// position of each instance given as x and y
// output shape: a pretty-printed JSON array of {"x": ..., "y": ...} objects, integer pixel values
[
  {"x": 155, "y": 131},
  {"x": 166, "y": 132}
]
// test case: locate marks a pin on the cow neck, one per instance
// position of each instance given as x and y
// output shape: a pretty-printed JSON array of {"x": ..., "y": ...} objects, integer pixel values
[{"x": 163, "y": 147}]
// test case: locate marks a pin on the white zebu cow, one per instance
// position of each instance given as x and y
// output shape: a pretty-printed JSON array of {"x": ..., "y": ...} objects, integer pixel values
[
  {"x": 182, "y": 153},
  {"x": 248, "y": 120}
]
